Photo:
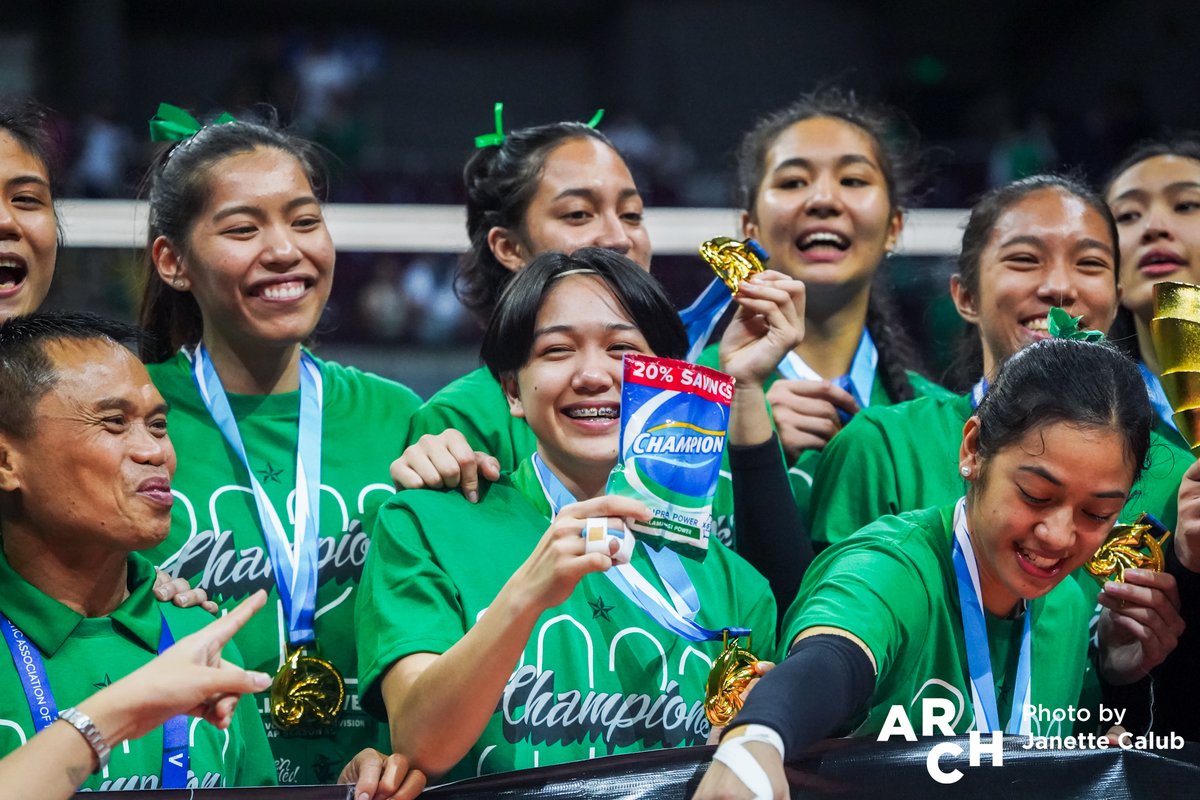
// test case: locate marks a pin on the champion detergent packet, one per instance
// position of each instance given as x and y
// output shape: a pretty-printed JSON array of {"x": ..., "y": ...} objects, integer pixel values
[{"x": 674, "y": 418}]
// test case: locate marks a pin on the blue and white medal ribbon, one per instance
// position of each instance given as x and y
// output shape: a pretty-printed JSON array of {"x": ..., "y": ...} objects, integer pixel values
[
  {"x": 294, "y": 563},
  {"x": 701, "y": 317},
  {"x": 678, "y": 614},
  {"x": 978, "y": 391},
  {"x": 27, "y": 658},
  {"x": 979, "y": 658},
  {"x": 1158, "y": 398},
  {"x": 859, "y": 381}
]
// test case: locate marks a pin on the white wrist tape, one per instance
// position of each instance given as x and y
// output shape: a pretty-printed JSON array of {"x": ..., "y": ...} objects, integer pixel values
[{"x": 734, "y": 755}]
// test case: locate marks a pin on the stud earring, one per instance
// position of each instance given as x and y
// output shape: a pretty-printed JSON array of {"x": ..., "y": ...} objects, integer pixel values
[
  {"x": 177, "y": 282},
  {"x": 966, "y": 471}
]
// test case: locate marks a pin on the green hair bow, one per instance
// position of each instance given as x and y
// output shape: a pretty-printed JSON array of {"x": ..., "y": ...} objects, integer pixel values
[
  {"x": 496, "y": 139},
  {"x": 172, "y": 124},
  {"x": 1063, "y": 326}
]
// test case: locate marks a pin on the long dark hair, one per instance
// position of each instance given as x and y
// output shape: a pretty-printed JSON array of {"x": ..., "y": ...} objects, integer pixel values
[
  {"x": 898, "y": 159},
  {"x": 177, "y": 188},
  {"x": 967, "y": 366},
  {"x": 500, "y": 182}
]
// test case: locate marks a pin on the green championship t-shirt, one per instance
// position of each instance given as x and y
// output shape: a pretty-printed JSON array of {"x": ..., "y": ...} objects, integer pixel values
[
  {"x": 217, "y": 544},
  {"x": 899, "y": 458},
  {"x": 801, "y": 472},
  {"x": 83, "y": 655},
  {"x": 475, "y": 406},
  {"x": 893, "y": 586},
  {"x": 598, "y": 676}
]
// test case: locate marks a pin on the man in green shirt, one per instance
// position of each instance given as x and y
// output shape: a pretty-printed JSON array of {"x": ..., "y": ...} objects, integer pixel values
[{"x": 85, "y": 480}]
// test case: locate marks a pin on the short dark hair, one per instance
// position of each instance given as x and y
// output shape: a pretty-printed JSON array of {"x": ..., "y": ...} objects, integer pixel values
[
  {"x": 509, "y": 336},
  {"x": 899, "y": 156},
  {"x": 1184, "y": 145},
  {"x": 1091, "y": 385},
  {"x": 500, "y": 181},
  {"x": 26, "y": 371},
  {"x": 985, "y": 215},
  {"x": 177, "y": 188}
]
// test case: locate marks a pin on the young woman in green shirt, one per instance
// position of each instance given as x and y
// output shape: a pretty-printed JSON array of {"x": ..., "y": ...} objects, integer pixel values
[
  {"x": 1040, "y": 242},
  {"x": 492, "y": 614},
  {"x": 885, "y": 618}
]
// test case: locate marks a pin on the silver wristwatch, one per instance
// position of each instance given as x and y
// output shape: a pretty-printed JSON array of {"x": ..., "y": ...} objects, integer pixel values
[{"x": 83, "y": 723}]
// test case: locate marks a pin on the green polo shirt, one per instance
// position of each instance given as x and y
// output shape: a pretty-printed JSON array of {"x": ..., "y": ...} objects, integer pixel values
[
  {"x": 82, "y": 655},
  {"x": 892, "y": 459}
]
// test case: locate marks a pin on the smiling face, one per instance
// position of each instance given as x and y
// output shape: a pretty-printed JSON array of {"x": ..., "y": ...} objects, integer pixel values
[
  {"x": 1049, "y": 248},
  {"x": 585, "y": 197},
  {"x": 1041, "y": 506},
  {"x": 1157, "y": 206},
  {"x": 258, "y": 259},
  {"x": 822, "y": 211},
  {"x": 28, "y": 229},
  {"x": 569, "y": 391},
  {"x": 96, "y": 470}
]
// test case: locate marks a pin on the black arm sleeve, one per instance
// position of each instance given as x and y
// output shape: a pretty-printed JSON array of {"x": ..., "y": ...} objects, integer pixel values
[
  {"x": 822, "y": 683},
  {"x": 770, "y": 533},
  {"x": 1174, "y": 680}
]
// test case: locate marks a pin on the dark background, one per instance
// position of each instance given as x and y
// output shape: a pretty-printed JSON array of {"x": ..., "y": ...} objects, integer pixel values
[{"x": 996, "y": 89}]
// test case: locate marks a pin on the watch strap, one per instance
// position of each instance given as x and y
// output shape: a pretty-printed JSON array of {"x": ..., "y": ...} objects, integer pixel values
[{"x": 83, "y": 723}]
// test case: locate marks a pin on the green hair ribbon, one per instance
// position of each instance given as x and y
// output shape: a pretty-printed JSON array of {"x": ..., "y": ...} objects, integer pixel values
[
  {"x": 172, "y": 124},
  {"x": 1063, "y": 326},
  {"x": 496, "y": 139},
  {"x": 493, "y": 139}
]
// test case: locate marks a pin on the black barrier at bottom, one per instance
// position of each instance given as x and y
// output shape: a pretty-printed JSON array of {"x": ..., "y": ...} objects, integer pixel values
[{"x": 842, "y": 768}]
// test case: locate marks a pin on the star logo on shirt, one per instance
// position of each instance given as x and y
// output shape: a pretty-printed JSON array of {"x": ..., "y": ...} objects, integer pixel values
[
  {"x": 599, "y": 609},
  {"x": 107, "y": 680},
  {"x": 270, "y": 474}
]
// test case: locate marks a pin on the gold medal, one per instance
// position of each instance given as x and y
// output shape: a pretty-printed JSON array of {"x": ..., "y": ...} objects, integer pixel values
[
  {"x": 307, "y": 695},
  {"x": 733, "y": 261},
  {"x": 731, "y": 674},
  {"x": 1129, "y": 547}
]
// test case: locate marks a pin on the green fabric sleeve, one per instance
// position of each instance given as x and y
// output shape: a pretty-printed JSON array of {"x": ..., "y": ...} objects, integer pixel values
[
  {"x": 258, "y": 766},
  {"x": 401, "y": 582},
  {"x": 855, "y": 483},
  {"x": 870, "y": 590}
]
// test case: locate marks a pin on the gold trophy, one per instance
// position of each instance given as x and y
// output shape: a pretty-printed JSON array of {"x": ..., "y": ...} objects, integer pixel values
[
  {"x": 307, "y": 695},
  {"x": 734, "y": 261},
  {"x": 1136, "y": 546},
  {"x": 731, "y": 674},
  {"x": 1175, "y": 331}
]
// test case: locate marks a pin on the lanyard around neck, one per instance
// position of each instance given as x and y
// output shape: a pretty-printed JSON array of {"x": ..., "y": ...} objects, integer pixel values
[
  {"x": 27, "y": 658},
  {"x": 293, "y": 562},
  {"x": 979, "y": 658},
  {"x": 677, "y": 614}
]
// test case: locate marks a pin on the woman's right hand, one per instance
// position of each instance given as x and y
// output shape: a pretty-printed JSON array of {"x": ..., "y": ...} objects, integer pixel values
[
  {"x": 444, "y": 460},
  {"x": 806, "y": 413},
  {"x": 722, "y": 783},
  {"x": 559, "y": 561}
]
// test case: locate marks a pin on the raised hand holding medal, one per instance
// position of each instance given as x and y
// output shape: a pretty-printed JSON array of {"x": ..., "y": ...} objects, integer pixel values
[{"x": 307, "y": 694}]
